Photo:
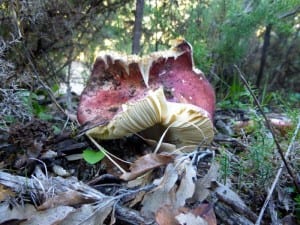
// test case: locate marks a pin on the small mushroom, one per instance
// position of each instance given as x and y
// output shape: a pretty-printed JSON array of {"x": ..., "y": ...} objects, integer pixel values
[{"x": 150, "y": 94}]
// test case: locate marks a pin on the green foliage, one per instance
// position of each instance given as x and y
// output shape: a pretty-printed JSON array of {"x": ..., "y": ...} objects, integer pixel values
[
  {"x": 260, "y": 158},
  {"x": 222, "y": 32},
  {"x": 225, "y": 167},
  {"x": 31, "y": 100},
  {"x": 56, "y": 129},
  {"x": 46, "y": 36},
  {"x": 237, "y": 97},
  {"x": 252, "y": 168},
  {"x": 92, "y": 156}
]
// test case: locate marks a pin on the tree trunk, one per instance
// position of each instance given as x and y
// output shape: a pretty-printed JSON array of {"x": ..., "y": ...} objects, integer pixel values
[
  {"x": 263, "y": 58},
  {"x": 137, "y": 30}
]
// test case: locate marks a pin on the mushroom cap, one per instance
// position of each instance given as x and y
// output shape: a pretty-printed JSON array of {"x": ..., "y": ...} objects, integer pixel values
[{"x": 129, "y": 94}]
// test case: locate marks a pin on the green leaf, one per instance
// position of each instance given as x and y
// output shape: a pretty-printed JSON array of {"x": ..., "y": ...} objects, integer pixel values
[
  {"x": 44, "y": 116},
  {"x": 56, "y": 129},
  {"x": 92, "y": 156},
  {"x": 55, "y": 88}
]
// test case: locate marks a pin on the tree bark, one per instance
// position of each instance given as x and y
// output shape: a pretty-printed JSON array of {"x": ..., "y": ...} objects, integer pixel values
[
  {"x": 263, "y": 58},
  {"x": 137, "y": 30}
]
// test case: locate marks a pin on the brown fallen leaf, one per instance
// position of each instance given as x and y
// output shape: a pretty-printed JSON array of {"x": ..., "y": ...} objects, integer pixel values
[
  {"x": 206, "y": 211},
  {"x": 187, "y": 185},
  {"x": 203, "y": 185},
  {"x": 146, "y": 163},
  {"x": 69, "y": 198},
  {"x": 5, "y": 192},
  {"x": 174, "y": 188},
  {"x": 166, "y": 216},
  {"x": 30, "y": 216},
  {"x": 203, "y": 214},
  {"x": 190, "y": 219},
  {"x": 163, "y": 194},
  {"x": 89, "y": 214},
  {"x": 17, "y": 213},
  {"x": 52, "y": 216}
]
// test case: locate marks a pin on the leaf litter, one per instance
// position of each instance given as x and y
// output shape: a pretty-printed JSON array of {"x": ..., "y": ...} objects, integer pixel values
[
  {"x": 168, "y": 187},
  {"x": 66, "y": 200}
]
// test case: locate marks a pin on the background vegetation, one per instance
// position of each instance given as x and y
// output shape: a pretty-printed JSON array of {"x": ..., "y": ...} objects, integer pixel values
[{"x": 261, "y": 37}]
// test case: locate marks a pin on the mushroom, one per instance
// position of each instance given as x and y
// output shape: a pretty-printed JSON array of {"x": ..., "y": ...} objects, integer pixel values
[{"x": 151, "y": 94}]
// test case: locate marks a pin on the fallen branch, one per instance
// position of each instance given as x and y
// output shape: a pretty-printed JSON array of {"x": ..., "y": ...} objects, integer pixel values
[{"x": 243, "y": 210}]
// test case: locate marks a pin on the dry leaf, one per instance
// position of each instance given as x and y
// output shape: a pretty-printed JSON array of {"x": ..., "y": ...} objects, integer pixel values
[
  {"x": 94, "y": 213},
  {"x": 284, "y": 197},
  {"x": 32, "y": 216},
  {"x": 203, "y": 185},
  {"x": 190, "y": 219},
  {"x": 16, "y": 213},
  {"x": 69, "y": 198},
  {"x": 146, "y": 163},
  {"x": 166, "y": 216},
  {"x": 89, "y": 214},
  {"x": 50, "y": 216},
  {"x": 206, "y": 211},
  {"x": 168, "y": 192},
  {"x": 186, "y": 188},
  {"x": 163, "y": 194},
  {"x": 5, "y": 192}
]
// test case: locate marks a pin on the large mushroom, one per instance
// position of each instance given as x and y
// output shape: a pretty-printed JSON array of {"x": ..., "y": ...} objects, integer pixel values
[{"x": 161, "y": 91}]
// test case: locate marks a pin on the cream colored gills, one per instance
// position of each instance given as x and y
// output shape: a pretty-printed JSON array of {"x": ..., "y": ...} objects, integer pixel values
[{"x": 186, "y": 123}]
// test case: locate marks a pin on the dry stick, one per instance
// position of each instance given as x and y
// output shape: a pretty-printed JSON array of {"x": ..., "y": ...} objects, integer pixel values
[
  {"x": 277, "y": 175},
  {"x": 269, "y": 126},
  {"x": 106, "y": 154}
]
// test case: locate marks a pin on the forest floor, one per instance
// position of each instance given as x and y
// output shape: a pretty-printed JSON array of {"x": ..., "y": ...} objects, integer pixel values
[{"x": 238, "y": 179}]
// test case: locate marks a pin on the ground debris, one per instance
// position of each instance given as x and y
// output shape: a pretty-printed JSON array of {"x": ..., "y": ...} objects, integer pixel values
[{"x": 173, "y": 186}]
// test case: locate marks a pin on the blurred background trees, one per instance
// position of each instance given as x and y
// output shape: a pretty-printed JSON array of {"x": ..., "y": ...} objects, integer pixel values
[{"x": 40, "y": 39}]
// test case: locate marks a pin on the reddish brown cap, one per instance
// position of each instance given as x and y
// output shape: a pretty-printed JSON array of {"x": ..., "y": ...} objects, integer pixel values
[{"x": 129, "y": 94}]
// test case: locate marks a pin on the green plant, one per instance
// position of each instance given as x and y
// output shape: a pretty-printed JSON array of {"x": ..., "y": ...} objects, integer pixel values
[
  {"x": 31, "y": 100},
  {"x": 92, "y": 156},
  {"x": 225, "y": 164},
  {"x": 260, "y": 159},
  {"x": 237, "y": 96}
]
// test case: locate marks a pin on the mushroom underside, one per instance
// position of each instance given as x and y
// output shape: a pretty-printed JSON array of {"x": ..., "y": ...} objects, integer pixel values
[{"x": 185, "y": 123}]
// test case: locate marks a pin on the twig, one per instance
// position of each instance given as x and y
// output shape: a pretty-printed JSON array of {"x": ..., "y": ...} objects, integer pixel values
[
  {"x": 106, "y": 153},
  {"x": 277, "y": 175},
  {"x": 231, "y": 140},
  {"x": 69, "y": 75},
  {"x": 50, "y": 93},
  {"x": 269, "y": 126}
]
